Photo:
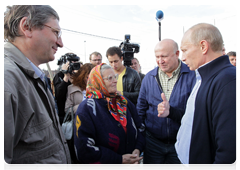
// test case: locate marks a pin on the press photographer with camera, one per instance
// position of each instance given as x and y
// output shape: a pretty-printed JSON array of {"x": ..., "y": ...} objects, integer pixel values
[{"x": 69, "y": 64}]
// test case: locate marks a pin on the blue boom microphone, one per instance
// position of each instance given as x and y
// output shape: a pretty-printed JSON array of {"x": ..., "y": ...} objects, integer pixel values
[{"x": 159, "y": 17}]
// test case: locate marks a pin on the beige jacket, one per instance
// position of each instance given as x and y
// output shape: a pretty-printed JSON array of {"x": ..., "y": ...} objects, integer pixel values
[
  {"x": 32, "y": 133},
  {"x": 74, "y": 98}
]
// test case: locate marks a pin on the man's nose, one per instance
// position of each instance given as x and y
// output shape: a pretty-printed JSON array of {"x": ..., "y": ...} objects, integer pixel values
[
  {"x": 160, "y": 60},
  {"x": 59, "y": 42}
]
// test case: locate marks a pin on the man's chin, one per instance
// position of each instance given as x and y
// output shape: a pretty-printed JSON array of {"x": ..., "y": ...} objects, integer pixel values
[{"x": 51, "y": 58}]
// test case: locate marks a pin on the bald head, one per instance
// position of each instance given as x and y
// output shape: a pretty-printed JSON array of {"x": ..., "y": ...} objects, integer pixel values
[
  {"x": 166, "y": 52},
  {"x": 168, "y": 44}
]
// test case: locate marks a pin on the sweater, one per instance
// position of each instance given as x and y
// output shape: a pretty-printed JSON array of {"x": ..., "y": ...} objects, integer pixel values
[{"x": 99, "y": 138}]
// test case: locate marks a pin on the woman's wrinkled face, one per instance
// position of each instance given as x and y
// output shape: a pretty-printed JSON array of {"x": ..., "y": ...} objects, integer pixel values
[{"x": 110, "y": 80}]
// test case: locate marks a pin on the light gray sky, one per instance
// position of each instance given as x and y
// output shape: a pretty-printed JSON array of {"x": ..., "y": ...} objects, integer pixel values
[{"x": 114, "y": 21}]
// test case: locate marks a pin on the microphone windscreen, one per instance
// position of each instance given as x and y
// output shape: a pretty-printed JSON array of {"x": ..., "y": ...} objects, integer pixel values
[{"x": 159, "y": 15}]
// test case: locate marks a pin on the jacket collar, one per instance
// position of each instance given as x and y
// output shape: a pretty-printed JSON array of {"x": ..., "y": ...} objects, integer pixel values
[
  {"x": 19, "y": 58},
  {"x": 184, "y": 69},
  {"x": 72, "y": 88},
  {"x": 214, "y": 66}
]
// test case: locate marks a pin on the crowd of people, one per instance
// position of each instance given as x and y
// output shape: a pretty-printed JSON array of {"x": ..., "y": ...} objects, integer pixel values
[{"x": 181, "y": 112}]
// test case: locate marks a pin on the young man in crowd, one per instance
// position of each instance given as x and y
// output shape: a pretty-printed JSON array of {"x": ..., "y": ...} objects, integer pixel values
[
  {"x": 232, "y": 57},
  {"x": 129, "y": 82}
]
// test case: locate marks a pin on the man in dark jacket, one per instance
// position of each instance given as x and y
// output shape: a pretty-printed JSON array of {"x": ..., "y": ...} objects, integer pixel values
[
  {"x": 172, "y": 80},
  {"x": 61, "y": 82},
  {"x": 208, "y": 131},
  {"x": 129, "y": 81},
  {"x": 136, "y": 66}
]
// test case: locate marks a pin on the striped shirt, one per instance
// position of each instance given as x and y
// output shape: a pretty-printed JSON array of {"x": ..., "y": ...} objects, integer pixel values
[{"x": 168, "y": 83}]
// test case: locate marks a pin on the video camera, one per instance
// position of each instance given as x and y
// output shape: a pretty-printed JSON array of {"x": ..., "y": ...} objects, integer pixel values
[
  {"x": 128, "y": 49},
  {"x": 72, "y": 66}
]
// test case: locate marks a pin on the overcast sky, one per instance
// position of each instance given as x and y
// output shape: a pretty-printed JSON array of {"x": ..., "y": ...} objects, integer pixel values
[
  {"x": 87, "y": 23},
  {"x": 114, "y": 21}
]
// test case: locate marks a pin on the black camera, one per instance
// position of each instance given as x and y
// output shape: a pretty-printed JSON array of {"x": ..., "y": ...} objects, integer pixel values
[
  {"x": 72, "y": 66},
  {"x": 128, "y": 49}
]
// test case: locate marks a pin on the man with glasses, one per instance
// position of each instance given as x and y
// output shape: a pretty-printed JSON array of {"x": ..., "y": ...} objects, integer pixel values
[
  {"x": 32, "y": 133},
  {"x": 95, "y": 58},
  {"x": 129, "y": 81}
]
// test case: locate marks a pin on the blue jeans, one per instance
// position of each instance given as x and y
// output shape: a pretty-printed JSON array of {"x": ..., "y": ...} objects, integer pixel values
[{"x": 157, "y": 152}]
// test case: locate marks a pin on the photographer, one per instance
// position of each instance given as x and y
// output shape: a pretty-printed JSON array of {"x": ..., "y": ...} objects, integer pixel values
[{"x": 62, "y": 80}]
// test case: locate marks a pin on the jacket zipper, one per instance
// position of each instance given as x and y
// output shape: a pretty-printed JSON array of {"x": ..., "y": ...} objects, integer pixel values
[{"x": 169, "y": 98}]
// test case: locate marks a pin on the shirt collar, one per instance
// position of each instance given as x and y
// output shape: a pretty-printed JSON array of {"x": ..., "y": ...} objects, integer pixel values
[{"x": 37, "y": 70}]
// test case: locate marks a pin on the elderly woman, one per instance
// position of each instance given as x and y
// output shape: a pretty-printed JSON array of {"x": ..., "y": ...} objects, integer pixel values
[{"x": 107, "y": 127}]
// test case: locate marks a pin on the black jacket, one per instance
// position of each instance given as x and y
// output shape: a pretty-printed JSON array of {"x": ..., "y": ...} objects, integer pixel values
[
  {"x": 131, "y": 85},
  {"x": 214, "y": 125},
  {"x": 141, "y": 76},
  {"x": 61, "y": 88}
]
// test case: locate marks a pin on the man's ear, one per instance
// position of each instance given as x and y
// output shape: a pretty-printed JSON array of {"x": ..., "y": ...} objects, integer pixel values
[
  {"x": 177, "y": 53},
  {"x": 204, "y": 45},
  {"x": 121, "y": 58},
  {"x": 24, "y": 28}
]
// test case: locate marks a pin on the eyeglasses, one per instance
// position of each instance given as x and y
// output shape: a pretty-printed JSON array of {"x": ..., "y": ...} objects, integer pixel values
[
  {"x": 56, "y": 31},
  {"x": 97, "y": 60},
  {"x": 111, "y": 78}
]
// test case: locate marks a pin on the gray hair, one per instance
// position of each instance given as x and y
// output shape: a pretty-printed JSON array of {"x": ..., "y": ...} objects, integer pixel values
[
  {"x": 104, "y": 67},
  {"x": 37, "y": 16},
  {"x": 207, "y": 32}
]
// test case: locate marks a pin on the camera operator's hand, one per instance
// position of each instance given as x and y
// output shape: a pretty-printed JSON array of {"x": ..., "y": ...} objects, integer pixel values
[{"x": 66, "y": 77}]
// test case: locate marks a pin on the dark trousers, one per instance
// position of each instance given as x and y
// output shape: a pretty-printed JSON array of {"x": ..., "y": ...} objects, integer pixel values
[{"x": 157, "y": 152}]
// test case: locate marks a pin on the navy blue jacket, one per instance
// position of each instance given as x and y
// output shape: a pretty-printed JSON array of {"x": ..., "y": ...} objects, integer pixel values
[
  {"x": 164, "y": 129},
  {"x": 214, "y": 125},
  {"x": 99, "y": 138}
]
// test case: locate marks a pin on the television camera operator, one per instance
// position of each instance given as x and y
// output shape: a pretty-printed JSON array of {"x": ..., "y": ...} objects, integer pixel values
[
  {"x": 129, "y": 82},
  {"x": 68, "y": 63}
]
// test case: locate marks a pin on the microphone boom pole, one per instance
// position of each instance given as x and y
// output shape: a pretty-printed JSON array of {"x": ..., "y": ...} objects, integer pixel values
[
  {"x": 159, "y": 17},
  {"x": 159, "y": 23}
]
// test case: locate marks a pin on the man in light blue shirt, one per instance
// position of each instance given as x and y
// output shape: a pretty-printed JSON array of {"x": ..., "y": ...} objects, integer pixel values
[
  {"x": 184, "y": 134},
  {"x": 208, "y": 128}
]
